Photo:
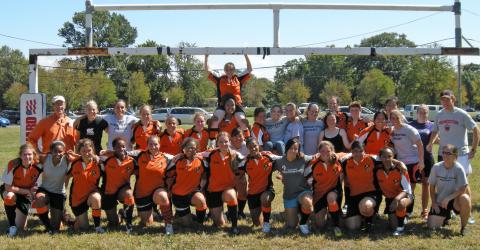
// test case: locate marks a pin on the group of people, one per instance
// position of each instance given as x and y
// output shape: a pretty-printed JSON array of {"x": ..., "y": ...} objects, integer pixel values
[{"x": 340, "y": 159}]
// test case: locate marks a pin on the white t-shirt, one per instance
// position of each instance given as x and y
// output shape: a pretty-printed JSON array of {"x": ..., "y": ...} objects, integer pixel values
[
  {"x": 120, "y": 128},
  {"x": 404, "y": 141}
]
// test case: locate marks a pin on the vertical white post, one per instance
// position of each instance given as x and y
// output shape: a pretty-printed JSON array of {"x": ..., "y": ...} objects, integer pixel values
[
  {"x": 276, "y": 27},
  {"x": 88, "y": 23},
  {"x": 457, "y": 9},
  {"x": 33, "y": 74}
]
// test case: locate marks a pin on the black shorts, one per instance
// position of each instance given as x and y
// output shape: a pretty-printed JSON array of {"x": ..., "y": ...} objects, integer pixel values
[
  {"x": 145, "y": 203},
  {"x": 414, "y": 173},
  {"x": 429, "y": 162},
  {"x": 80, "y": 209},
  {"x": 255, "y": 201},
  {"x": 323, "y": 202},
  {"x": 214, "y": 199},
  {"x": 354, "y": 202},
  {"x": 445, "y": 212},
  {"x": 55, "y": 200},
  {"x": 238, "y": 108},
  {"x": 183, "y": 201},
  {"x": 110, "y": 201},
  {"x": 21, "y": 202}
]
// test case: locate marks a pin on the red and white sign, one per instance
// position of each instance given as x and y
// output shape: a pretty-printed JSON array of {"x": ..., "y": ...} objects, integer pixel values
[{"x": 32, "y": 110}]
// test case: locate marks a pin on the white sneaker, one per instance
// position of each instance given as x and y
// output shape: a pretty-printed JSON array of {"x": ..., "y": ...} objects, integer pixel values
[
  {"x": 12, "y": 231},
  {"x": 168, "y": 229},
  {"x": 399, "y": 231},
  {"x": 304, "y": 229},
  {"x": 266, "y": 227},
  {"x": 471, "y": 220},
  {"x": 99, "y": 230}
]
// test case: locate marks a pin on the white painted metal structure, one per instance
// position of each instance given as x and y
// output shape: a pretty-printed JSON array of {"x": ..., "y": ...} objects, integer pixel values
[{"x": 265, "y": 51}]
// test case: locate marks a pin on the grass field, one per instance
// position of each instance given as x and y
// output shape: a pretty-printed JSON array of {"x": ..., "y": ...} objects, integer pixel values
[{"x": 417, "y": 236}]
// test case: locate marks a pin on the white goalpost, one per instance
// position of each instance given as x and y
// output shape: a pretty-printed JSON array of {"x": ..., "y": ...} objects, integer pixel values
[{"x": 89, "y": 50}]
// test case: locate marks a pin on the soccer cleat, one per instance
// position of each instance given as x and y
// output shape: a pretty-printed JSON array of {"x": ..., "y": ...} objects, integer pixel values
[
  {"x": 471, "y": 220},
  {"x": 304, "y": 229},
  {"x": 128, "y": 228},
  {"x": 99, "y": 230},
  {"x": 169, "y": 229},
  {"x": 266, "y": 227},
  {"x": 12, "y": 231},
  {"x": 399, "y": 231},
  {"x": 338, "y": 232},
  {"x": 234, "y": 231},
  {"x": 463, "y": 231}
]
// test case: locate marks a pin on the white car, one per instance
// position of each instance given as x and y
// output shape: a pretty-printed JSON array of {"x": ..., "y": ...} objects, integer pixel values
[
  {"x": 364, "y": 113},
  {"x": 160, "y": 114},
  {"x": 184, "y": 115}
]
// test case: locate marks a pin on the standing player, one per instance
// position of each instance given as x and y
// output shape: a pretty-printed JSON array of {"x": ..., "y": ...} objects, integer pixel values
[
  {"x": 56, "y": 127},
  {"x": 228, "y": 84},
  {"x": 91, "y": 126},
  {"x": 144, "y": 128},
  {"x": 342, "y": 118},
  {"x": 311, "y": 129},
  {"x": 171, "y": 138},
  {"x": 294, "y": 128},
  {"x": 276, "y": 126},
  {"x": 120, "y": 124},
  {"x": 424, "y": 128},
  {"x": 355, "y": 124},
  {"x": 334, "y": 134},
  {"x": 116, "y": 171},
  {"x": 18, "y": 189},
  {"x": 259, "y": 131},
  {"x": 85, "y": 174},
  {"x": 198, "y": 131},
  {"x": 376, "y": 136},
  {"x": 451, "y": 125},
  {"x": 325, "y": 176},
  {"x": 392, "y": 178}
]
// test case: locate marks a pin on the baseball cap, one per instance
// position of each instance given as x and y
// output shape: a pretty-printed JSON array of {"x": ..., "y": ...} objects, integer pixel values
[
  {"x": 58, "y": 98},
  {"x": 447, "y": 93}
]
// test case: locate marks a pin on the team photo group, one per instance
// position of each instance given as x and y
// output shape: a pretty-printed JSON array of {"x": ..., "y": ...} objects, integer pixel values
[{"x": 336, "y": 169}]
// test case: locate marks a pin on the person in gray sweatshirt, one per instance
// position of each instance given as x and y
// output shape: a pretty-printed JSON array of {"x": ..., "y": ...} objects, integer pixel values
[
  {"x": 276, "y": 129},
  {"x": 294, "y": 128}
]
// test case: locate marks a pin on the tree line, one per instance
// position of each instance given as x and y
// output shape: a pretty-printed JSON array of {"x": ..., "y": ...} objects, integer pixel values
[{"x": 180, "y": 80}]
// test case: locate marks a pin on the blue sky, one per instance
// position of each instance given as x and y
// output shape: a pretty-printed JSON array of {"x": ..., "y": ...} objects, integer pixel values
[{"x": 40, "y": 21}]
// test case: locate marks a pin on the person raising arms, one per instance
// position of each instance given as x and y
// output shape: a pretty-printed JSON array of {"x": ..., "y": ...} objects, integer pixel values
[{"x": 230, "y": 84}]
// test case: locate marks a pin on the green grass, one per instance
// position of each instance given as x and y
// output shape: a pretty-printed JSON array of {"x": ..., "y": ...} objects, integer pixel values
[{"x": 417, "y": 237}]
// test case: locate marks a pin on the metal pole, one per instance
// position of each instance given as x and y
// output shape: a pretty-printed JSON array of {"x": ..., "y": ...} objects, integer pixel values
[
  {"x": 33, "y": 74},
  {"x": 457, "y": 9},
  {"x": 88, "y": 23},
  {"x": 276, "y": 27}
]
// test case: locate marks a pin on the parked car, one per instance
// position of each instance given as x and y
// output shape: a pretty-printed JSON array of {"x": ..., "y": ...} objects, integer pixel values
[
  {"x": 184, "y": 115},
  {"x": 410, "y": 111},
  {"x": 477, "y": 117},
  {"x": 367, "y": 113},
  {"x": 160, "y": 114},
  {"x": 4, "y": 122},
  {"x": 109, "y": 111},
  {"x": 12, "y": 115}
]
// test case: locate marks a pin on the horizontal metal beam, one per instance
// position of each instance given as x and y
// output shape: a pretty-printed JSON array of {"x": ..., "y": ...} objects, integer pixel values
[
  {"x": 264, "y": 51},
  {"x": 272, "y": 6}
]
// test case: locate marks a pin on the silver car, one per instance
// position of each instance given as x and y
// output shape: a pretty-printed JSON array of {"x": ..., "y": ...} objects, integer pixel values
[
  {"x": 184, "y": 115},
  {"x": 160, "y": 114}
]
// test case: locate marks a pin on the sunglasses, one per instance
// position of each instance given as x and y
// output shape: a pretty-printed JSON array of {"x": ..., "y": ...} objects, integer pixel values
[{"x": 447, "y": 153}]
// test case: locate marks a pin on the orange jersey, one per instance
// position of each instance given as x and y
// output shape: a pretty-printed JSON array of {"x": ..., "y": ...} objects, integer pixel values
[
  {"x": 326, "y": 176},
  {"x": 259, "y": 173},
  {"x": 151, "y": 173},
  {"x": 19, "y": 176},
  {"x": 355, "y": 129},
  {"x": 85, "y": 179},
  {"x": 116, "y": 173},
  {"x": 374, "y": 140},
  {"x": 342, "y": 119},
  {"x": 229, "y": 125},
  {"x": 392, "y": 182},
  {"x": 360, "y": 175},
  {"x": 187, "y": 176},
  {"x": 260, "y": 132},
  {"x": 171, "y": 144},
  {"x": 232, "y": 86},
  {"x": 200, "y": 137},
  {"x": 141, "y": 133},
  {"x": 220, "y": 175},
  {"x": 51, "y": 129}
]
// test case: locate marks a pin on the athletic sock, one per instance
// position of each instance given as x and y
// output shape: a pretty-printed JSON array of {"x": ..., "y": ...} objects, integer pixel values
[
  {"x": 241, "y": 206},
  {"x": 334, "y": 211},
  {"x": 167, "y": 213},
  {"x": 96, "y": 214},
  {"x": 266, "y": 211},
  {"x": 304, "y": 215},
  {"x": 200, "y": 215},
  {"x": 10, "y": 211}
]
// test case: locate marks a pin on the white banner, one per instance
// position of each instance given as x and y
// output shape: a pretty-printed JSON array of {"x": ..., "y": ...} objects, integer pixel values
[{"x": 32, "y": 110}]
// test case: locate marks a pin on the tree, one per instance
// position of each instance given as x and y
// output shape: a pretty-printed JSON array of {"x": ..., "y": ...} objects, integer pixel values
[
  {"x": 375, "y": 88},
  {"x": 12, "y": 96},
  {"x": 336, "y": 88},
  {"x": 13, "y": 68},
  {"x": 189, "y": 71},
  {"x": 138, "y": 92},
  {"x": 471, "y": 80},
  {"x": 255, "y": 92},
  {"x": 104, "y": 91},
  {"x": 294, "y": 91},
  {"x": 176, "y": 96}
]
